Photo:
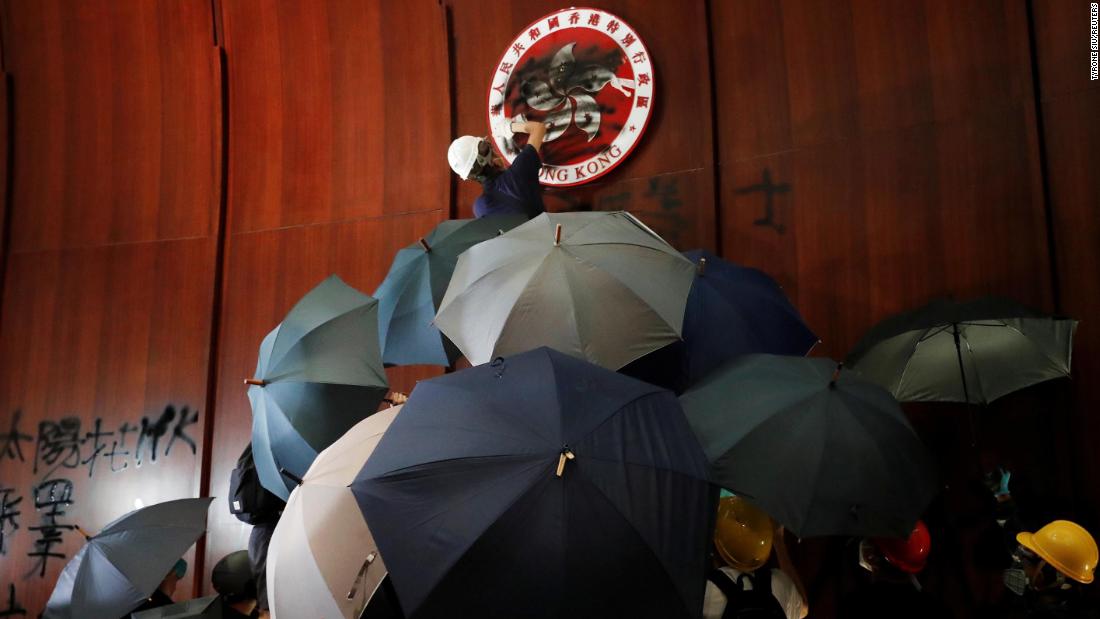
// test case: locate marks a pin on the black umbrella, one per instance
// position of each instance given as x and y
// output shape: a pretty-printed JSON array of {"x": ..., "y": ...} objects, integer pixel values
[
  {"x": 540, "y": 486},
  {"x": 819, "y": 449},
  {"x": 973, "y": 352}
]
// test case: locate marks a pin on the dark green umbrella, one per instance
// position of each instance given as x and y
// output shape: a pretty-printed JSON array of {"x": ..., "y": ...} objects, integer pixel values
[
  {"x": 319, "y": 373},
  {"x": 410, "y": 295},
  {"x": 821, "y": 450},
  {"x": 973, "y": 352}
]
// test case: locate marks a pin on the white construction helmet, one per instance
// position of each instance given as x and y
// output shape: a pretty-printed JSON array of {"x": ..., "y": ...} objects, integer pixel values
[{"x": 462, "y": 155}]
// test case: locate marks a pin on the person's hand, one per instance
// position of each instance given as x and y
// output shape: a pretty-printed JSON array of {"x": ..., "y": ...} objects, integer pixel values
[
  {"x": 502, "y": 129},
  {"x": 396, "y": 397},
  {"x": 997, "y": 481}
]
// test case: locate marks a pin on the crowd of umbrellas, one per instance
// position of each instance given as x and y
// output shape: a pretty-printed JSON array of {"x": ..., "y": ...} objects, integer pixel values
[{"x": 574, "y": 470}]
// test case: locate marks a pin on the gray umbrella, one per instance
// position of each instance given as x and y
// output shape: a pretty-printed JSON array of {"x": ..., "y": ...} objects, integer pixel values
[
  {"x": 120, "y": 567},
  {"x": 974, "y": 351},
  {"x": 319, "y": 373},
  {"x": 599, "y": 286},
  {"x": 821, "y": 450},
  {"x": 209, "y": 607}
]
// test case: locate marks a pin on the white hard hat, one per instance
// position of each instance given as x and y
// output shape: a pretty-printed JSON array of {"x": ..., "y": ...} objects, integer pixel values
[{"x": 462, "y": 155}]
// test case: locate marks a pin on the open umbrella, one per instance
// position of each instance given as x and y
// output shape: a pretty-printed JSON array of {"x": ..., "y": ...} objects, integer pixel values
[
  {"x": 319, "y": 373},
  {"x": 732, "y": 310},
  {"x": 598, "y": 286},
  {"x": 116, "y": 570},
  {"x": 540, "y": 486},
  {"x": 322, "y": 561},
  {"x": 410, "y": 295},
  {"x": 209, "y": 607},
  {"x": 974, "y": 352},
  {"x": 822, "y": 451}
]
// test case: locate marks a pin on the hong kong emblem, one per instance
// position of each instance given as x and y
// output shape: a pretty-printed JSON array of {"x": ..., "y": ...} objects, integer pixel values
[{"x": 588, "y": 76}]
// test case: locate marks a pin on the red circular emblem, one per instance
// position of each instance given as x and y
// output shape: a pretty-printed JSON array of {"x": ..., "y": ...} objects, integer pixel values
[{"x": 587, "y": 74}]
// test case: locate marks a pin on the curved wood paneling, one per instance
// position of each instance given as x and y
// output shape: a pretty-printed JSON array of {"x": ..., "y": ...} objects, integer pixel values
[
  {"x": 333, "y": 106},
  {"x": 117, "y": 105}
]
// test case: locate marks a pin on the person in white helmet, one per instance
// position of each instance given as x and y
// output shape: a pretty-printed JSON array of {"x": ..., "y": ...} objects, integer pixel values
[{"x": 505, "y": 189}]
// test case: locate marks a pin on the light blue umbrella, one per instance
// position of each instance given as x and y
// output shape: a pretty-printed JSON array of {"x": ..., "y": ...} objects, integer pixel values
[
  {"x": 410, "y": 295},
  {"x": 120, "y": 567},
  {"x": 319, "y": 373}
]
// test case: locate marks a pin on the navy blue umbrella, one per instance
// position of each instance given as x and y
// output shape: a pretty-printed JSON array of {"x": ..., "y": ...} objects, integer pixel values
[
  {"x": 732, "y": 310},
  {"x": 540, "y": 486}
]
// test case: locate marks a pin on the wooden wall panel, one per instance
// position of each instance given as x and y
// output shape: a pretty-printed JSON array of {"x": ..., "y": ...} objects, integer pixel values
[
  {"x": 893, "y": 178},
  {"x": 117, "y": 335},
  {"x": 669, "y": 177},
  {"x": 117, "y": 105},
  {"x": 1070, "y": 102},
  {"x": 333, "y": 106}
]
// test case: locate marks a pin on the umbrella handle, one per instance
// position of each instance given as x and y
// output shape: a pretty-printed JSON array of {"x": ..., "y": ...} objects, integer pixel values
[
  {"x": 565, "y": 455},
  {"x": 362, "y": 574}
]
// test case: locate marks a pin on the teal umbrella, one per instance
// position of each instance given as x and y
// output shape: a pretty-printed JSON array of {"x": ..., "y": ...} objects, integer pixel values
[
  {"x": 410, "y": 295},
  {"x": 120, "y": 567},
  {"x": 972, "y": 352},
  {"x": 319, "y": 373},
  {"x": 821, "y": 450}
]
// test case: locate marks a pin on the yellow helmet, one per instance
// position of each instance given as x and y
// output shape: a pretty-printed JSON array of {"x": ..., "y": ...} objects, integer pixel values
[
  {"x": 1066, "y": 546},
  {"x": 743, "y": 534}
]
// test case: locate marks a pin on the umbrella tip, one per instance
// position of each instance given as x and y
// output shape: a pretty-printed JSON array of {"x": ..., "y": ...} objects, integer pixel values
[
  {"x": 291, "y": 476},
  {"x": 702, "y": 266},
  {"x": 836, "y": 375},
  {"x": 424, "y": 244},
  {"x": 557, "y": 235},
  {"x": 83, "y": 532},
  {"x": 255, "y": 381}
]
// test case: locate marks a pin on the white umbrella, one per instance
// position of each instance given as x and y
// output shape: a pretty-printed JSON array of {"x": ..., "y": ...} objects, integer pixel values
[
  {"x": 322, "y": 561},
  {"x": 599, "y": 286}
]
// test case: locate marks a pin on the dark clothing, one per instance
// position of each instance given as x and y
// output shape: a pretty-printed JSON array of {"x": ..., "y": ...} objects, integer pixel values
[
  {"x": 158, "y": 599},
  {"x": 882, "y": 599},
  {"x": 258, "y": 541},
  {"x": 384, "y": 604},
  {"x": 229, "y": 613},
  {"x": 1034, "y": 605},
  {"x": 515, "y": 190}
]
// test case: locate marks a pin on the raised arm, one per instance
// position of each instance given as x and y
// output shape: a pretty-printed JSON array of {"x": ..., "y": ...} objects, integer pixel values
[{"x": 535, "y": 130}]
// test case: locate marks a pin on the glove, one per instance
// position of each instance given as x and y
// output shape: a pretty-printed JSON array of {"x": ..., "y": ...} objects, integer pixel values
[{"x": 502, "y": 129}]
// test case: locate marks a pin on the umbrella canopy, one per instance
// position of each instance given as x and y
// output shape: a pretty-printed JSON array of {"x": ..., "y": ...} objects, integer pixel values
[
  {"x": 209, "y": 607},
  {"x": 602, "y": 287},
  {"x": 116, "y": 570},
  {"x": 732, "y": 310},
  {"x": 540, "y": 486},
  {"x": 413, "y": 289},
  {"x": 822, "y": 451},
  {"x": 319, "y": 373},
  {"x": 232, "y": 576},
  {"x": 322, "y": 561},
  {"x": 974, "y": 352}
]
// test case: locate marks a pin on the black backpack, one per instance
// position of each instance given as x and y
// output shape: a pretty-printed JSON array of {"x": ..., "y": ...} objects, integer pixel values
[
  {"x": 249, "y": 501},
  {"x": 755, "y": 603}
]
